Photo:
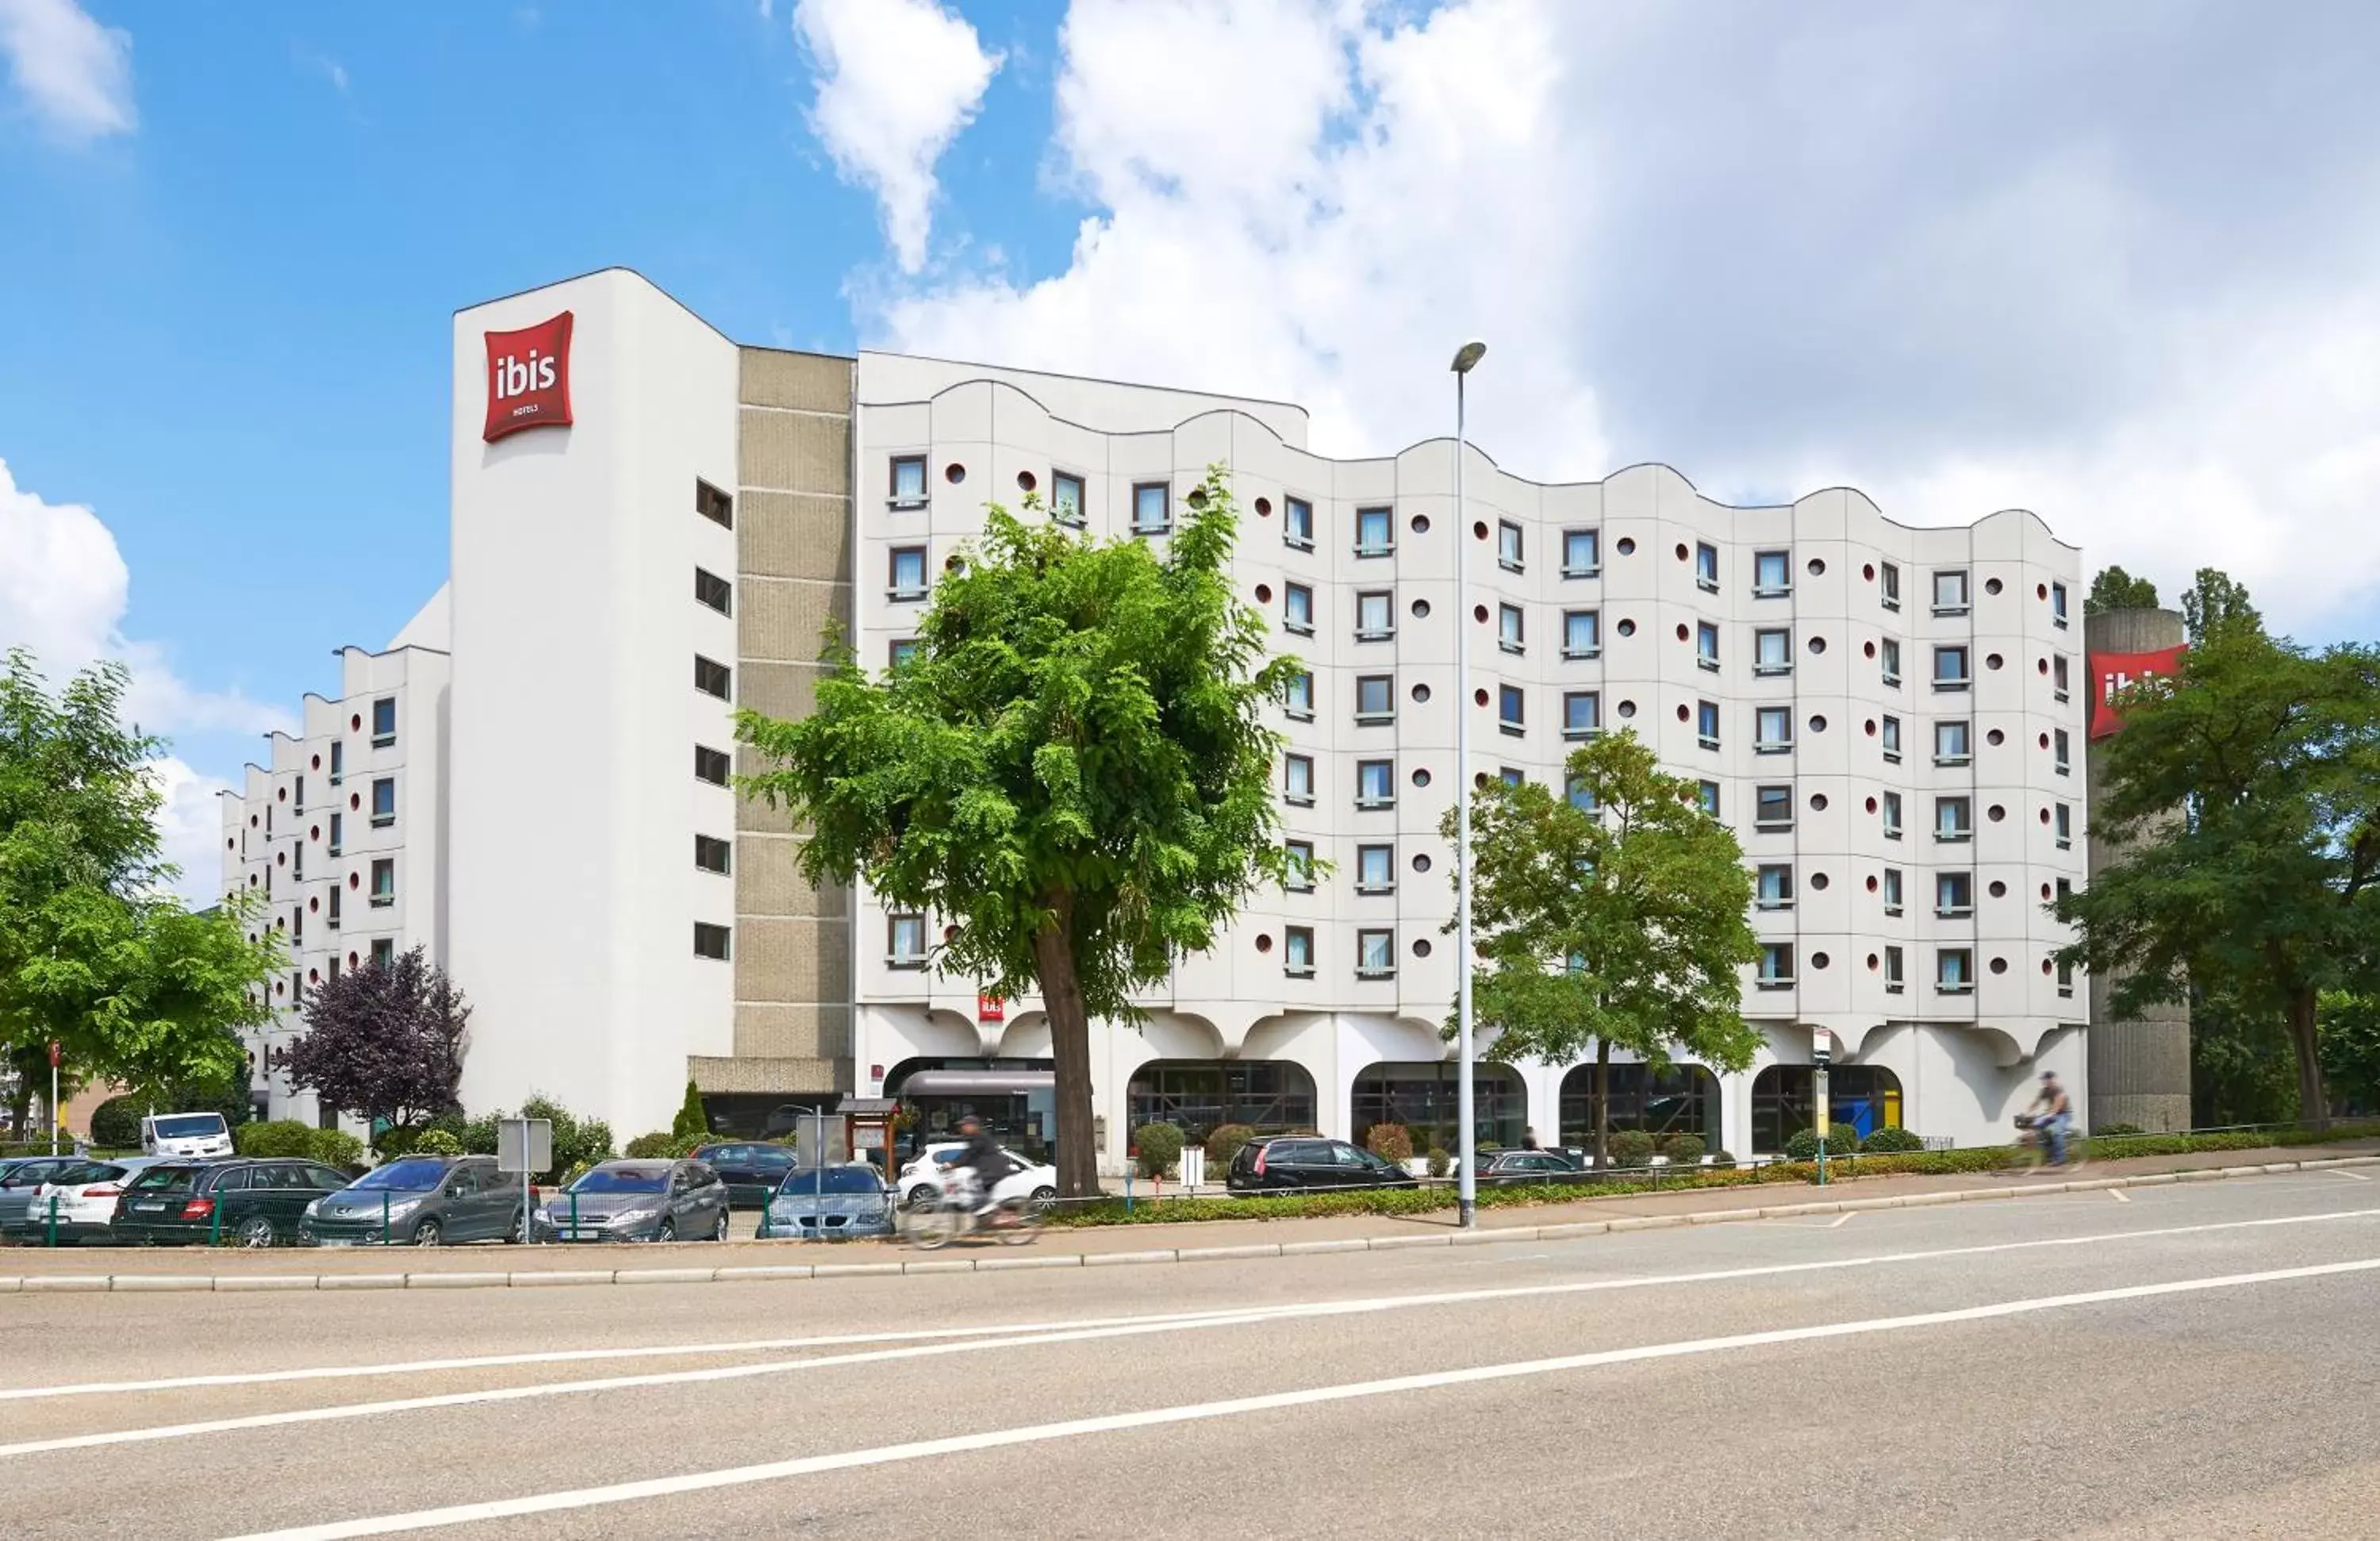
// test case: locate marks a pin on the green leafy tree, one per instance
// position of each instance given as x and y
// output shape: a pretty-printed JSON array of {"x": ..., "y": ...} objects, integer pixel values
[
  {"x": 96, "y": 952},
  {"x": 2115, "y": 588},
  {"x": 2215, "y": 606},
  {"x": 1624, "y": 926},
  {"x": 2241, "y": 1069},
  {"x": 2350, "y": 1049},
  {"x": 1073, "y": 773},
  {"x": 2261, "y": 893}
]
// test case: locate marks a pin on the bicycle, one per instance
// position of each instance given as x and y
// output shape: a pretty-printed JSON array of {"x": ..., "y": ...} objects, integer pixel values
[
  {"x": 2032, "y": 1149},
  {"x": 937, "y": 1222}
]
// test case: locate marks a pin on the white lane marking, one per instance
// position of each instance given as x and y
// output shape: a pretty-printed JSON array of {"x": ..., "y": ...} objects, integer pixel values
[
  {"x": 777, "y": 1471},
  {"x": 1842, "y": 1219},
  {"x": 2350, "y": 1176},
  {"x": 2120, "y": 1195},
  {"x": 1251, "y": 1316}
]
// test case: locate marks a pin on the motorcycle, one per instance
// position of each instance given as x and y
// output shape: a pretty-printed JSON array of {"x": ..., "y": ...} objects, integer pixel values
[{"x": 1014, "y": 1220}]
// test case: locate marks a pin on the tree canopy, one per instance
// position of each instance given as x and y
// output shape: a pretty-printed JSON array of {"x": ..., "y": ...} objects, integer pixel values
[
  {"x": 1073, "y": 773},
  {"x": 96, "y": 954},
  {"x": 2115, "y": 588},
  {"x": 1613, "y": 914},
  {"x": 384, "y": 1041},
  {"x": 2260, "y": 892}
]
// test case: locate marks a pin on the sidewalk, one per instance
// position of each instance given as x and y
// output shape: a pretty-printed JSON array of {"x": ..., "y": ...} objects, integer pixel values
[{"x": 499, "y": 1266}]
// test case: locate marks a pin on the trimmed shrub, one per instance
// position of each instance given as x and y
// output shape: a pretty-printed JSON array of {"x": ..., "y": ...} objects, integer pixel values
[
  {"x": 1891, "y": 1142},
  {"x": 2105, "y": 1131},
  {"x": 437, "y": 1141},
  {"x": 1684, "y": 1150},
  {"x": 1156, "y": 1147},
  {"x": 1390, "y": 1142},
  {"x": 578, "y": 1143},
  {"x": 283, "y": 1137},
  {"x": 1439, "y": 1161},
  {"x": 652, "y": 1146},
  {"x": 116, "y": 1123},
  {"x": 1721, "y": 1161},
  {"x": 691, "y": 1118},
  {"x": 1223, "y": 1142},
  {"x": 1631, "y": 1147},
  {"x": 335, "y": 1147}
]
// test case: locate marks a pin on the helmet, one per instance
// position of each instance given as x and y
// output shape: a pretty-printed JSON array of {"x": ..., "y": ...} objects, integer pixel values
[
  {"x": 968, "y": 1121},
  {"x": 2049, "y": 1075}
]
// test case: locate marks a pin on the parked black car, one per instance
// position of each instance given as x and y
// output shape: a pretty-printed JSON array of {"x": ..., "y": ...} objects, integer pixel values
[
  {"x": 1504, "y": 1167},
  {"x": 752, "y": 1172},
  {"x": 1294, "y": 1162},
  {"x": 255, "y": 1202}
]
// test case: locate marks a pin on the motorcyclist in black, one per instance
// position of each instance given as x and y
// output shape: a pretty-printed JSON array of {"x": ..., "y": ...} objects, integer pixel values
[{"x": 983, "y": 1160}]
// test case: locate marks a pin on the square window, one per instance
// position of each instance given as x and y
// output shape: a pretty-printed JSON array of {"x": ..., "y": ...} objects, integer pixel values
[
  {"x": 384, "y": 953},
  {"x": 2060, "y": 750},
  {"x": 1297, "y": 951},
  {"x": 904, "y": 940},
  {"x": 1299, "y": 703},
  {"x": 384, "y": 802},
  {"x": 1772, "y": 575},
  {"x": 908, "y": 489},
  {"x": 338, "y": 761},
  {"x": 1772, "y": 652},
  {"x": 334, "y": 911},
  {"x": 1375, "y": 954},
  {"x": 1707, "y": 797},
  {"x": 2064, "y": 826},
  {"x": 1508, "y": 628},
  {"x": 1375, "y": 868},
  {"x": 716, "y": 593},
  {"x": 1375, "y": 616},
  {"x": 2058, "y": 676},
  {"x": 1893, "y": 979},
  {"x": 712, "y": 677},
  {"x": 1376, "y": 698},
  {"x": 1376, "y": 784},
  {"x": 1774, "y": 889},
  {"x": 1375, "y": 531},
  {"x": 1508, "y": 545},
  {"x": 1953, "y": 819},
  {"x": 1582, "y": 713},
  {"x": 1776, "y": 964},
  {"x": 1892, "y": 901},
  {"x": 710, "y": 942},
  {"x": 1892, "y": 815},
  {"x": 1889, "y": 660},
  {"x": 711, "y": 765},
  {"x": 1580, "y": 795},
  {"x": 1301, "y": 865},
  {"x": 338, "y": 828},
  {"x": 1706, "y": 723},
  {"x": 1888, "y": 585},
  {"x": 1297, "y": 608},
  {"x": 906, "y": 579},
  {"x": 1950, "y": 592},
  {"x": 2065, "y": 969},
  {"x": 2057, "y": 610},
  {"x": 1066, "y": 499},
  {"x": 903, "y": 649},
  {"x": 1152, "y": 508},
  {"x": 1954, "y": 894},
  {"x": 1297, "y": 780},
  {"x": 711, "y": 854},
  {"x": 384, "y": 881},
  {"x": 1581, "y": 554},
  {"x": 1511, "y": 775},
  {"x": 1707, "y": 566},
  {"x": 1581, "y": 634},
  {"x": 1297, "y": 524},
  {"x": 1950, "y": 669},
  {"x": 1707, "y": 645},
  {"x": 1772, "y": 808},
  {"x": 1889, "y": 729},
  {"x": 1772, "y": 729},
  {"x": 1954, "y": 971},
  {"x": 1950, "y": 743},
  {"x": 1510, "y": 708},
  {"x": 715, "y": 504},
  {"x": 383, "y": 721}
]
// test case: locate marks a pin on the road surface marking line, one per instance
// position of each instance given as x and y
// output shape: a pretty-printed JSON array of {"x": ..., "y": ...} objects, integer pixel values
[
  {"x": 2350, "y": 1176},
  {"x": 777, "y": 1471},
  {"x": 2120, "y": 1195},
  {"x": 1842, "y": 1219},
  {"x": 1034, "y": 1331}
]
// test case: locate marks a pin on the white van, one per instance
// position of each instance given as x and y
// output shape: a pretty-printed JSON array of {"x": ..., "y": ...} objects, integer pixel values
[{"x": 185, "y": 1134}]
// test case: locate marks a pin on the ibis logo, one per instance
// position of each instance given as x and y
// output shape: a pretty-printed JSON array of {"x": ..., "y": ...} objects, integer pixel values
[{"x": 528, "y": 377}]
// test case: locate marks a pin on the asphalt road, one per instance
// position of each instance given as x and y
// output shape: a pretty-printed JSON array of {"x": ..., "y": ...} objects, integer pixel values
[{"x": 2183, "y": 1361}]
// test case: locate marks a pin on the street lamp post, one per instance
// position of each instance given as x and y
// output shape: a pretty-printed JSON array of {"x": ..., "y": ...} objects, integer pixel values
[{"x": 1466, "y": 1189}]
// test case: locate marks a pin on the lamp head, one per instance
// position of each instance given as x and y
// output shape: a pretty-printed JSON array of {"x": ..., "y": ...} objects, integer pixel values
[{"x": 1469, "y": 354}]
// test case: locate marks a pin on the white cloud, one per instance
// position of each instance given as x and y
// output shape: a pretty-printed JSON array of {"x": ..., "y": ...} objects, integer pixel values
[
  {"x": 189, "y": 827},
  {"x": 76, "y": 74},
  {"x": 897, "y": 79},
  {"x": 315, "y": 62},
  {"x": 64, "y": 589},
  {"x": 2115, "y": 268}
]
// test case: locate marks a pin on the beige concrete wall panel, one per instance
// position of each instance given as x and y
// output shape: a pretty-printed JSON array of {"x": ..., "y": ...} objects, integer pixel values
[
  {"x": 792, "y": 1030},
  {"x": 779, "y": 689},
  {"x": 787, "y": 1076},
  {"x": 786, "y": 958},
  {"x": 768, "y": 882},
  {"x": 793, "y": 535},
  {"x": 793, "y": 452},
  {"x": 785, "y": 620},
  {"x": 808, "y": 381}
]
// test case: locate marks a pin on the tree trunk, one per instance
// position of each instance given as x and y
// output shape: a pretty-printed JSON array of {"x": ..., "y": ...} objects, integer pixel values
[
  {"x": 2313, "y": 1106},
  {"x": 1602, "y": 1105},
  {"x": 1070, "y": 1049}
]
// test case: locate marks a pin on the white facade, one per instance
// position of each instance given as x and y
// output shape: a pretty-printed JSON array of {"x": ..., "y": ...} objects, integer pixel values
[{"x": 1962, "y": 1048}]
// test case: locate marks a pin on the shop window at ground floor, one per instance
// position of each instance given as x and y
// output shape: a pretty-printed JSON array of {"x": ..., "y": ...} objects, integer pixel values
[
  {"x": 1681, "y": 1099},
  {"x": 1421, "y": 1096},
  {"x": 1272, "y": 1096},
  {"x": 763, "y": 1115},
  {"x": 1020, "y": 1117},
  {"x": 1784, "y": 1102}
]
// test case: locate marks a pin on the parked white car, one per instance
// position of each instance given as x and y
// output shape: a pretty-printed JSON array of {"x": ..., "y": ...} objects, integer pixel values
[
  {"x": 927, "y": 1176},
  {"x": 86, "y": 1194},
  {"x": 199, "y": 1134}
]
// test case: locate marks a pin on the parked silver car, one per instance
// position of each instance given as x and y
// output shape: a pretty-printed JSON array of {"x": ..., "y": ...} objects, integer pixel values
[
  {"x": 21, "y": 1178},
  {"x": 639, "y": 1201},
  {"x": 420, "y": 1200},
  {"x": 86, "y": 1194},
  {"x": 833, "y": 1203}
]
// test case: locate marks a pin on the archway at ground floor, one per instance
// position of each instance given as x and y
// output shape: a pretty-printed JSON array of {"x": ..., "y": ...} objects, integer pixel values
[
  {"x": 1678, "y": 1100},
  {"x": 1784, "y": 1102},
  {"x": 1272, "y": 1096},
  {"x": 1016, "y": 1100},
  {"x": 1421, "y": 1095}
]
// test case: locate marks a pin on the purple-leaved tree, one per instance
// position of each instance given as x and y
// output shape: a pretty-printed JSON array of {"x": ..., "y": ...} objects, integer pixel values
[{"x": 384, "y": 1042}]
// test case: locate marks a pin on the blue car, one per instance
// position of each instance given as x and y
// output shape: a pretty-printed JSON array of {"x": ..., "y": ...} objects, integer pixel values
[{"x": 831, "y": 1203}]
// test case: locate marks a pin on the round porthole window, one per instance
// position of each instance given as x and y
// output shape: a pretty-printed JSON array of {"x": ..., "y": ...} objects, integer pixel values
[
  {"x": 1263, "y": 942},
  {"x": 1421, "y": 863},
  {"x": 1026, "y": 481},
  {"x": 1421, "y": 609},
  {"x": 1627, "y": 627},
  {"x": 1420, "y": 524},
  {"x": 955, "y": 473},
  {"x": 1627, "y": 545},
  {"x": 1264, "y": 508},
  {"x": 1627, "y": 709},
  {"x": 1421, "y": 777},
  {"x": 1420, "y": 694},
  {"x": 1421, "y": 947}
]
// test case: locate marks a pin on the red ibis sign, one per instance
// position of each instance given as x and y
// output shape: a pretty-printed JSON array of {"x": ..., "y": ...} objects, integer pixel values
[
  {"x": 2112, "y": 674},
  {"x": 528, "y": 377},
  {"x": 990, "y": 1008}
]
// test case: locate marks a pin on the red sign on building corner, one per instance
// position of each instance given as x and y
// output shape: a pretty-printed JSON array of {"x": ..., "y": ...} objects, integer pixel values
[
  {"x": 2114, "y": 672},
  {"x": 528, "y": 377}
]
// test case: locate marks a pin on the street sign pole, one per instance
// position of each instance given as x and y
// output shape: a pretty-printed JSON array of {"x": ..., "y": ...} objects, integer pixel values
[
  {"x": 526, "y": 1145},
  {"x": 54, "y": 1097},
  {"x": 1821, "y": 1052}
]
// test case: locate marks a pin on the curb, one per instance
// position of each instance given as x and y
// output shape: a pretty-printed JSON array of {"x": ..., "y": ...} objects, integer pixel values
[{"x": 161, "y": 1284}]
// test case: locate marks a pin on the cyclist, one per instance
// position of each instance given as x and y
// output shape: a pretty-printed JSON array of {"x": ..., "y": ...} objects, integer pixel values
[
  {"x": 983, "y": 1160},
  {"x": 2053, "y": 1116}
]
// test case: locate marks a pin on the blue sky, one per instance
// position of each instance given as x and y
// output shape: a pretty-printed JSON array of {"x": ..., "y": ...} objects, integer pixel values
[{"x": 2118, "y": 264}]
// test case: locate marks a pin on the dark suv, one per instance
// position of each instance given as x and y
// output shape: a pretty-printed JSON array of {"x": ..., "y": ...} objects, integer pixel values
[
  {"x": 253, "y": 1202},
  {"x": 1294, "y": 1162}
]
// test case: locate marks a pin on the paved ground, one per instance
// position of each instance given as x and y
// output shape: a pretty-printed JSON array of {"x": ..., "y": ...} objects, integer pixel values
[{"x": 2183, "y": 1361}]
